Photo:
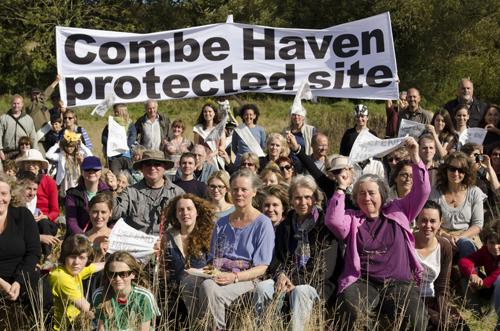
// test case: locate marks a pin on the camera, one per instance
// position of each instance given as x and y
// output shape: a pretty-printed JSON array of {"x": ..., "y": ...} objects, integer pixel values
[{"x": 479, "y": 158}]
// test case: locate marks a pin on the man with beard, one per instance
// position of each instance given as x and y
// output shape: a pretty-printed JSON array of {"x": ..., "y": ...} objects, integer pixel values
[{"x": 465, "y": 97}]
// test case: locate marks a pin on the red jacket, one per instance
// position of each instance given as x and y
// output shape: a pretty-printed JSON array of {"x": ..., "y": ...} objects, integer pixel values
[
  {"x": 481, "y": 258},
  {"x": 47, "y": 198}
]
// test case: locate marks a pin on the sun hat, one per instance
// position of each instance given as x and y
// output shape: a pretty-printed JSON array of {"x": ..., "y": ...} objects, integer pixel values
[
  {"x": 360, "y": 110},
  {"x": 33, "y": 155},
  {"x": 153, "y": 155},
  {"x": 91, "y": 163},
  {"x": 337, "y": 162}
]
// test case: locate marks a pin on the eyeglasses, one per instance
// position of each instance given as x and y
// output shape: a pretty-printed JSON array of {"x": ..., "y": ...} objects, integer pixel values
[
  {"x": 121, "y": 274},
  {"x": 286, "y": 167},
  {"x": 455, "y": 169},
  {"x": 68, "y": 118},
  {"x": 247, "y": 164},
  {"x": 405, "y": 175},
  {"x": 216, "y": 187},
  {"x": 155, "y": 164}
]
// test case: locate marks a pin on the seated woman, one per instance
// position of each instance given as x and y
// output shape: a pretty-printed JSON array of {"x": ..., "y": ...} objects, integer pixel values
[
  {"x": 218, "y": 193},
  {"x": 241, "y": 248},
  {"x": 100, "y": 209},
  {"x": 275, "y": 203},
  {"x": 461, "y": 202},
  {"x": 77, "y": 198},
  {"x": 401, "y": 180},
  {"x": 435, "y": 255},
  {"x": 303, "y": 247},
  {"x": 19, "y": 255},
  {"x": 186, "y": 244},
  {"x": 123, "y": 302},
  {"x": 46, "y": 196},
  {"x": 380, "y": 262}
]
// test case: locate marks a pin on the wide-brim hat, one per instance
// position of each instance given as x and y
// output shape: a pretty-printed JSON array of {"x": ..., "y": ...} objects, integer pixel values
[
  {"x": 33, "y": 155},
  {"x": 152, "y": 155},
  {"x": 337, "y": 162}
]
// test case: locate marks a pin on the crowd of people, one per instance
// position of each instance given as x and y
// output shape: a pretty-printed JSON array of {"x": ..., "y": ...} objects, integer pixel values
[{"x": 244, "y": 213}]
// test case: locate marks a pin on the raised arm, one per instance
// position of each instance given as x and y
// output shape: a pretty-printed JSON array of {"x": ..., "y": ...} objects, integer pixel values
[{"x": 413, "y": 202}]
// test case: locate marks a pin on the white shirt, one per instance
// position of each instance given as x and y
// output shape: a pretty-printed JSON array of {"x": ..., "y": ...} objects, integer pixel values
[
  {"x": 432, "y": 268},
  {"x": 152, "y": 134}
]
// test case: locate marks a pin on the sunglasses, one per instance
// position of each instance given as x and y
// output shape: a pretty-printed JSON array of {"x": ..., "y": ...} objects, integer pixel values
[
  {"x": 155, "y": 164},
  {"x": 393, "y": 159},
  {"x": 91, "y": 170},
  {"x": 455, "y": 169},
  {"x": 68, "y": 118},
  {"x": 121, "y": 274},
  {"x": 287, "y": 167},
  {"x": 247, "y": 164}
]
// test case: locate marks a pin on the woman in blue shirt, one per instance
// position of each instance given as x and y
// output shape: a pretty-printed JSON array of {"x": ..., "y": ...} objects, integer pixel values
[
  {"x": 241, "y": 249},
  {"x": 249, "y": 113}
]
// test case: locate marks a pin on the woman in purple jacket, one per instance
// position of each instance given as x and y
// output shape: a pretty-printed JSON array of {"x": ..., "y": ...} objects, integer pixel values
[{"x": 380, "y": 263}]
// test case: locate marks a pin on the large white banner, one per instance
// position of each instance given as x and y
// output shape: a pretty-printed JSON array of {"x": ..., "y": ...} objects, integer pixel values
[{"x": 352, "y": 60}]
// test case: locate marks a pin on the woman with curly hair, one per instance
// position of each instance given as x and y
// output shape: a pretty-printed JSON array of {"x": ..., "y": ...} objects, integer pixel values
[
  {"x": 124, "y": 302},
  {"x": 461, "y": 202},
  {"x": 186, "y": 242}
]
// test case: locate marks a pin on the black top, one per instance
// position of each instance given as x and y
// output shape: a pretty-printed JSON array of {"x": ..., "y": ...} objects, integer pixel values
[
  {"x": 20, "y": 248},
  {"x": 348, "y": 139},
  {"x": 192, "y": 186},
  {"x": 476, "y": 111},
  {"x": 324, "y": 252}
]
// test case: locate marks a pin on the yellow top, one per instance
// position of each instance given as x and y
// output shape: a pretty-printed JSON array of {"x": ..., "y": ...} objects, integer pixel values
[{"x": 66, "y": 289}]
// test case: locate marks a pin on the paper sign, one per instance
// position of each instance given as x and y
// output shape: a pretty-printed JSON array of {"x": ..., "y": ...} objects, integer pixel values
[
  {"x": 123, "y": 237},
  {"x": 367, "y": 145},
  {"x": 117, "y": 138},
  {"x": 472, "y": 135},
  {"x": 410, "y": 128}
]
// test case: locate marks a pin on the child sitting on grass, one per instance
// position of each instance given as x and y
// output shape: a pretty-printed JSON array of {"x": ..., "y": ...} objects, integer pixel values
[
  {"x": 66, "y": 281},
  {"x": 488, "y": 256},
  {"x": 121, "y": 304}
]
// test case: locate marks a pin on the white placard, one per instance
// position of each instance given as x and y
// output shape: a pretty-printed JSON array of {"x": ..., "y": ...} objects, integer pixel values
[
  {"x": 472, "y": 135},
  {"x": 123, "y": 237},
  {"x": 117, "y": 138},
  {"x": 410, "y": 128},
  {"x": 352, "y": 60},
  {"x": 367, "y": 145}
]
